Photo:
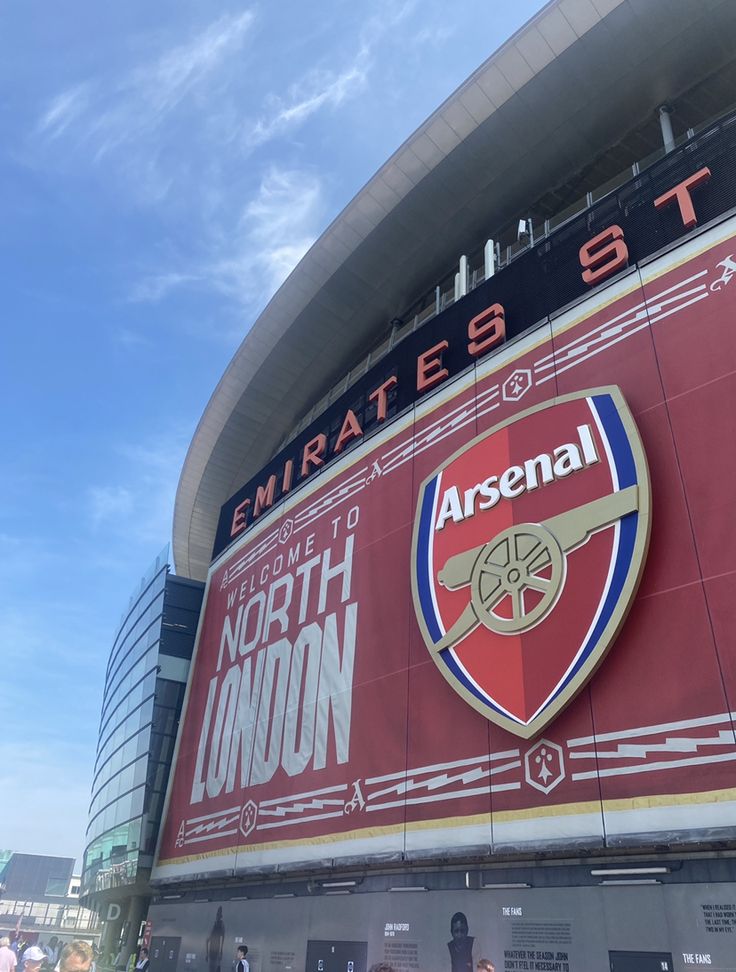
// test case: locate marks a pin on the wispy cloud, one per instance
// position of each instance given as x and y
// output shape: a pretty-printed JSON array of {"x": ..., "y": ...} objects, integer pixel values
[
  {"x": 109, "y": 503},
  {"x": 156, "y": 286},
  {"x": 177, "y": 72},
  {"x": 320, "y": 88},
  {"x": 249, "y": 261},
  {"x": 139, "y": 504},
  {"x": 305, "y": 97},
  {"x": 130, "y": 339},
  {"x": 63, "y": 110},
  {"x": 276, "y": 229},
  {"x": 106, "y": 114},
  {"x": 236, "y": 220}
]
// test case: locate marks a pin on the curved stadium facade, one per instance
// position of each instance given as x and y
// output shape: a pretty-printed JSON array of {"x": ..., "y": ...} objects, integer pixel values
[{"x": 464, "y": 676}]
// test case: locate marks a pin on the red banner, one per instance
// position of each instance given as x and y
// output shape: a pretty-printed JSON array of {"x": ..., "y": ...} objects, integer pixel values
[{"x": 318, "y": 725}]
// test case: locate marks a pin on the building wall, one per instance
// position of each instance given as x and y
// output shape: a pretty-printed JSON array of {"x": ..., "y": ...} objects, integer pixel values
[
  {"x": 142, "y": 700},
  {"x": 319, "y": 730},
  {"x": 566, "y": 929},
  {"x": 116, "y": 816},
  {"x": 37, "y": 900},
  {"x": 37, "y": 875}
]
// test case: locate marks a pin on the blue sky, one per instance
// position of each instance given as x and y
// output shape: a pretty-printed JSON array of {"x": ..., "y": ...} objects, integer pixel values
[{"x": 163, "y": 166}]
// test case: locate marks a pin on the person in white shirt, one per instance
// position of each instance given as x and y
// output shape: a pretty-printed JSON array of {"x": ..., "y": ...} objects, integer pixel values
[{"x": 8, "y": 961}]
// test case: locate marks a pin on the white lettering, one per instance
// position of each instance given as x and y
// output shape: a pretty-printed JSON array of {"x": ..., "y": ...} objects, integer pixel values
[
  {"x": 276, "y": 706},
  {"x": 450, "y": 508},
  {"x": 278, "y": 614},
  {"x": 245, "y": 721},
  {"x": 229, "y": 637},
  {"x": 222, "y": 732},
  {"x": 308, "y": 646},
  {"x": 198, "y": 782},
  {"x": 267, "y": 746},
  {"x": 248, "y": 644},
  {"x": 512, "y": 482},
  {"x": 586, "y": 441},
  {"x": 305, "y": 571},
  {"x": 567, "y": 460},
  {"x": 469, "y": 501},
  {"x": 542, "y": 463},
  {"x": 488, "y": 490},
  {"x": 343, "y": 569},
  {"x": 336, "y": 687}
]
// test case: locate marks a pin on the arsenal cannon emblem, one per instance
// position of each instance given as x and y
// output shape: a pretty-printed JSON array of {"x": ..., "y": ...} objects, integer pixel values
[{"x": 528, "y": 547}]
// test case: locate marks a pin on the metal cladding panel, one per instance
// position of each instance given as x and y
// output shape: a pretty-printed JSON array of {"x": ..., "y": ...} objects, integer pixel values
[{"x": 362, "y": 685}]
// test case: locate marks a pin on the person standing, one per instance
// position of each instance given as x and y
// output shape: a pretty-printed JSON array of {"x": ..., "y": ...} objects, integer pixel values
[
  {"x": 33, "y": 958},
  {"x": 142, "y": 964},
  {"x": 242, "y": 965},
  {"x": 75, "y": 956},
  {"x": 52, "y": 951},
  {"x": 8, "y": 961}
]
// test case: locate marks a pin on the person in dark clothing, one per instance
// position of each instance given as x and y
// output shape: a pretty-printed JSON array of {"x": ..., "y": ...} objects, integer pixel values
[
  {"x": 142, "y": 964},
  {"x": 461, "y": 945}
]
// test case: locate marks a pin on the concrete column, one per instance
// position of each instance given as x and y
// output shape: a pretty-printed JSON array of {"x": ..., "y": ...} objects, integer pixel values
[
  {"x": 489, "y": 259},
  {"x": 463, "y": 275},
  {"x": 137, "y": 911},
  {"x": 111, "y": 918},
  {"x": 665, "y": 123}
]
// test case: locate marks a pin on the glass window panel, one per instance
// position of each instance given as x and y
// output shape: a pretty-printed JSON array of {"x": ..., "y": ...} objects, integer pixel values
[
  {"x": 139, "y": 771},
  {"x": 149, "y": 683},
  {"x": 143, "y": 741},
  {"x": 136, "y": 696},
  {"x": 116, "y": 761},
  {"x": 125, "y": 779},
  {"x": 101, "y": 823},
  {"x": 134, "y": 834},
  {"x": 136, "y": 804},
  {"x": 129, "y": 750}
]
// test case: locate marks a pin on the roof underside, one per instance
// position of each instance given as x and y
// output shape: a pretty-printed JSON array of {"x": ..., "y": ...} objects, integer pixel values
[{"x": 565, "y": 105}]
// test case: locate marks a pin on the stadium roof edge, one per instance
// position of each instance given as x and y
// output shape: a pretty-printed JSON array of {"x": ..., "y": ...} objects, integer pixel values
[{"x": 569, "y": 84}]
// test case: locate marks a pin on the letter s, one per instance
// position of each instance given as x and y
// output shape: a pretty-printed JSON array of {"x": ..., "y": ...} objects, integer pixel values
[{"x": 488, "y": 490}]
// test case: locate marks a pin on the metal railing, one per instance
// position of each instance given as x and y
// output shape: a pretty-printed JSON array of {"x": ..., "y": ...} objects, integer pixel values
[{"x": 442, "y": 296}]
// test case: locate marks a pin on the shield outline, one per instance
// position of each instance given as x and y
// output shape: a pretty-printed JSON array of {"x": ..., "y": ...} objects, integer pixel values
[{"x": 628, "y": 590}]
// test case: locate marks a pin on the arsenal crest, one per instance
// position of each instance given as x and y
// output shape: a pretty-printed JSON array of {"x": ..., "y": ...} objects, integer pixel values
[{"x": 528, "y": 548}]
